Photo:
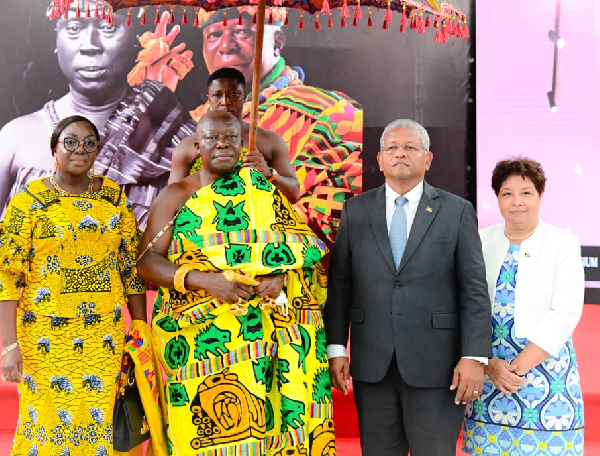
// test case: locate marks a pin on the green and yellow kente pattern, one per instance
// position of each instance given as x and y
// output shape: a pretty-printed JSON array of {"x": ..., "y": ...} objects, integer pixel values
[{"x": 254, "y": 384}]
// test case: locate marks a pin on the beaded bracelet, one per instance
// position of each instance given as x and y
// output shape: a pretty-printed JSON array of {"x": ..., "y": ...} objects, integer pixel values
[{"x": 9, "y": 348}]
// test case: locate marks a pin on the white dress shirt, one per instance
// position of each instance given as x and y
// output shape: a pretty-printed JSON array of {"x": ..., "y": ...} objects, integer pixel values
[{"x": 410, "y": 207}]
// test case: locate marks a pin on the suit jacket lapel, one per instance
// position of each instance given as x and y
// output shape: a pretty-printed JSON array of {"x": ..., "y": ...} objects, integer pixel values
[
  {"x": 378, "y": 221},
  {"x": 426, "y": 212}
]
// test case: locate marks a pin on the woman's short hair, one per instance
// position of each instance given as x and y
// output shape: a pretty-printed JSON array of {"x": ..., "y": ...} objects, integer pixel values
[
  {"x": 64, "y": 123},
  {"x": 524, "y": 167}
]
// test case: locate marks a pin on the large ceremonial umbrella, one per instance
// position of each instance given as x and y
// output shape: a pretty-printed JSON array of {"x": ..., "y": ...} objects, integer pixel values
[{"x": 447, "y": 18}]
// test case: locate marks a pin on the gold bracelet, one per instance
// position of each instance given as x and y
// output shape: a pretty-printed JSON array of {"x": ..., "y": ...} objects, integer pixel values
[
  {"x": 9, "y": 348},
  {"x": 180, "y": 274}
]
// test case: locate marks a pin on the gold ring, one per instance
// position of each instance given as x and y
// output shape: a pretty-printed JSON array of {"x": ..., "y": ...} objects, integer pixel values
[
  {"x": 475, "y": 392},
  {"x": 4, "y": 377},
  {"x": 239, "y": 301}
]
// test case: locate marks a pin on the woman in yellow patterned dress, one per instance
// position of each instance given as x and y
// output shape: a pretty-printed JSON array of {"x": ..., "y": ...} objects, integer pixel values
[{"x": 67, "y": 249}]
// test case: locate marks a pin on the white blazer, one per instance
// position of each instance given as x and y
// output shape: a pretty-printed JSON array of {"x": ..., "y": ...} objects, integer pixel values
[{"x": 550, "y": 282}]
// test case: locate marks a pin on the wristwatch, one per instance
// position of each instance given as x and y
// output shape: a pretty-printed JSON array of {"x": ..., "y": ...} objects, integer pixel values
[{"x": 274, "y": 175}]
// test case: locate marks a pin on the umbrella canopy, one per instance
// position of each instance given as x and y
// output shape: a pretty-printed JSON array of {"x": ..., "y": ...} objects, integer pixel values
[
  {"x": 447, "y": 13},
  {"x": 448, "y": 19}
]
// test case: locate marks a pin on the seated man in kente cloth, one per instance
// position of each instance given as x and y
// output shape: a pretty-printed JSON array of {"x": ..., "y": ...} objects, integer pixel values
[{"x": 246, "y": 373}]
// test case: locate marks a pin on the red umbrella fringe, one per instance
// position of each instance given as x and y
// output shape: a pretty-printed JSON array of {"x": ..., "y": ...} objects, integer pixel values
[
  {"x": 345, "y": 10},
  {"x": 388, "y": 13},
  {"x": 420, "y": 23},
  {"x": 450, "y": 24}
]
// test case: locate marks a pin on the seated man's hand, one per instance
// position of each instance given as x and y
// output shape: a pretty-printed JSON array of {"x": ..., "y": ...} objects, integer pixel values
[
  {"x": 221, "y": 288},
  {"x": 339, "y": 372},
  {"x": 255, "y": 159},
  {"x": 270, "y": 286},
  {"x": 467, "y": 380}
]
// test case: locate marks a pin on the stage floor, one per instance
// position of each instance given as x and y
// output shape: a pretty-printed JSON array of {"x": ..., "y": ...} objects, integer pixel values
[{"x": 586, "y": 339}]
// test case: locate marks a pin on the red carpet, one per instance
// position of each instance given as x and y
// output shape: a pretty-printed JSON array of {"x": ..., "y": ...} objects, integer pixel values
[{"x": 587, "y": 339}]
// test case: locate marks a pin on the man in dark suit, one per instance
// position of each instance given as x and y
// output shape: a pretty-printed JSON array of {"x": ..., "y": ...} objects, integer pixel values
[{"x": 407, "y": 272}]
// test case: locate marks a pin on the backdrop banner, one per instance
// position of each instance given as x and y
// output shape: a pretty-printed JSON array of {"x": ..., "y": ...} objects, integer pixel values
[{"x": 329, "y": 93}]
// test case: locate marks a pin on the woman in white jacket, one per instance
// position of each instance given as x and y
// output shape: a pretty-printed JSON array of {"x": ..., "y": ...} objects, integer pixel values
[{"x": 531, "y": 402}]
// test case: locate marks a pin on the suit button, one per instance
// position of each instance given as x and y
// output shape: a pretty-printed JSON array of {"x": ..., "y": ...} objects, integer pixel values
[{"x": 397, "y": 285}]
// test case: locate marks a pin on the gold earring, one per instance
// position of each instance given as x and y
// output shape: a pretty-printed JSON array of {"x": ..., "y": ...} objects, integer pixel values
[{"x": 55, "y": 165}]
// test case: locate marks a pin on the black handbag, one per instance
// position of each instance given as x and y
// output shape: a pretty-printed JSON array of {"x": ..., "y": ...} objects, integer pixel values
[{"x": 130, "y": 427}]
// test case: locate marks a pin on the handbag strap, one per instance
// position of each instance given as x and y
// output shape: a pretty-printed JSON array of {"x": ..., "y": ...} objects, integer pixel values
[
  {"x": 158, "y": 235},
  {"x": 131, "y": 375}
]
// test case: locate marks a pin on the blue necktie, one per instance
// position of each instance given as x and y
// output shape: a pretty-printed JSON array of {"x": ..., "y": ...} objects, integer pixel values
[{"x": 398, "y": 231}]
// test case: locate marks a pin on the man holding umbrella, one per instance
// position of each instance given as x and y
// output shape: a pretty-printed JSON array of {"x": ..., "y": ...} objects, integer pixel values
[{"x": 322, "y": 128}]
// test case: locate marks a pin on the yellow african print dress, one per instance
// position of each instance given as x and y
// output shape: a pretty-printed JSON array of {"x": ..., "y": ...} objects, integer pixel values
[
  {"x": 73, "y": 258},
  {"x": 245, "y": 384}
]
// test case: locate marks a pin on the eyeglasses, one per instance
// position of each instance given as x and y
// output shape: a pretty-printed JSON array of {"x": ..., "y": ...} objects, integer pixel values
[
  {"x": 89, "y": 145},
  {"x": 408, "y": 148}
]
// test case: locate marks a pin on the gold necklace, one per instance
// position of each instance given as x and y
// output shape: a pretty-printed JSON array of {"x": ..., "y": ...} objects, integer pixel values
[
  {"x": 521, "y": 238},
  {"x": 59, "y": 189}
]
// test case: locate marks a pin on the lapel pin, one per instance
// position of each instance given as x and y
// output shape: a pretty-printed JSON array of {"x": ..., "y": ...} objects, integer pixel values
[
  {"x": 527, "y": 254},
  {"x": 429, "y": 209}
]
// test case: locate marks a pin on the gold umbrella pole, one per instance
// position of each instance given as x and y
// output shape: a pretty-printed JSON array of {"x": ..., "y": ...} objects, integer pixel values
[{"x": 260, "y": 33}]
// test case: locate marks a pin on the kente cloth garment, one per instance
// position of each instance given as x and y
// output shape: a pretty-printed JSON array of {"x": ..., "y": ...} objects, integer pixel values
[
  {"x": 137, "y": 144},
  {"x": 254, "y": 384},
  {"x": 139, "y": 350},
  {"x": 69, "y": 261},
  {"x": 324, "y": 132},
  {"x": 545, "y": 416}
]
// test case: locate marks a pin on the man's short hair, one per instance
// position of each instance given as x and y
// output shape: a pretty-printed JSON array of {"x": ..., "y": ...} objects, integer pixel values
[
  {"x": 227, "y": 73},
  {"x": 407, "y": 123}
]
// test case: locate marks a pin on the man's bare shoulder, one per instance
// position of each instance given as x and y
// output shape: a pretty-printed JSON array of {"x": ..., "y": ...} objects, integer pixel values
[
  {"x": 174, "y": 195},
  {"x": 269, "y": 142},
  {"x": 263, "y": 133}
]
